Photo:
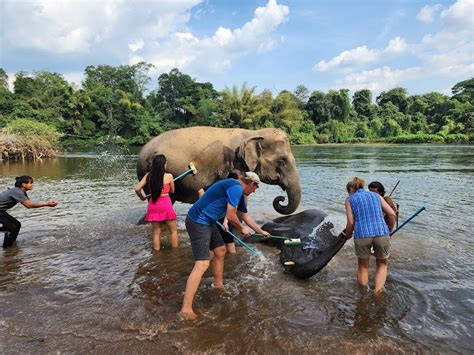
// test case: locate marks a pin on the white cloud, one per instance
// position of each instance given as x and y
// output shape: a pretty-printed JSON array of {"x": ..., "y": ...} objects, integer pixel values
[
  {"x": 136, "y": 46},
  {"x": 60, "y": 27},
  {"x": 459, "y": 15},
  {"x": 396, "y": 45},
  {"x": 355, "y": 56},
  {"x": 156, "y": 32},
  {"x": 428, "y": 12},
  {"x": 361, "y": 55},
  {"x": 378, "y": 79},
  {"x": 11, "y": 81},
  {"x": 216, "y": 53},
  {"x": 74, "y": 78},
  {"x": 448, "y": 53}
]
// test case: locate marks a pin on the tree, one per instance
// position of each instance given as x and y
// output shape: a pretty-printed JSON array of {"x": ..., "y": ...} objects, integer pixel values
[
  {"x": 189, "y": 100},
  {"x": 362, "y": 103},
  {"x": 302, "y": 95},
  {"x": 464, "y": 91},
  {"x": 339, "y": 104},
  {"x": 317, "y": 108},
  {"x": 397, "y": 96}
]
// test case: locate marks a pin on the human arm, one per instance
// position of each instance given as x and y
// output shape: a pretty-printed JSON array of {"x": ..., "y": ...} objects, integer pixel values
[
  {"x": 171, "y": 183},
  {"x": 350, "y": 220},
  {"x": 201, "y": 192},
  {"x": 390, "y": 202},
  {"x": 140, "y": 186},
  {"x": 231, "y": 215},
  {"x": 390, "y": 213},
  {"x": 248, "y": 219},
  {"x": 30, "y": 204}
]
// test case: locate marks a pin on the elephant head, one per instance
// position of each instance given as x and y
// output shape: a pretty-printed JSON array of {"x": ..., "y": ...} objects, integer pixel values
[{"x": 268, "y": 153}]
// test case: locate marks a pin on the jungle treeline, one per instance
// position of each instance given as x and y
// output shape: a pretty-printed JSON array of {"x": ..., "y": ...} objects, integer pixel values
[{"x": 116, "y": 103}]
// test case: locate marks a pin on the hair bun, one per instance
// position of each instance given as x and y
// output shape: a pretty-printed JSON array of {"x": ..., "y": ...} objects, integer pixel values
[{"x": 17, "y": 178}]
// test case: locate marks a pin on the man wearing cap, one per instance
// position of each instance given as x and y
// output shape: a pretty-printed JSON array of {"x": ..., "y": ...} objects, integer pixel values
[{"x": 222, "y": 199}]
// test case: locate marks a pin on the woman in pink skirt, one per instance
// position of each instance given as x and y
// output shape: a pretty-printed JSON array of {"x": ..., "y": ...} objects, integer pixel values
[{"x": 160, "y": 209}]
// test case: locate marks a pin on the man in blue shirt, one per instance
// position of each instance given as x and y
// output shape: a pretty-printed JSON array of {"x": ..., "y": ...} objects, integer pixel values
[{"x": 222, "y": 199}]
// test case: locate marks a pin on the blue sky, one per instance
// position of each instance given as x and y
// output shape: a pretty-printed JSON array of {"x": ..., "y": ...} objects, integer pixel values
[{"x": 271, "y": 44}]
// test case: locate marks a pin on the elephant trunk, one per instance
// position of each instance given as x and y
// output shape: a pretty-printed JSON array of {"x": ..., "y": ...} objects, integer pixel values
[{"x": 294, "y": 197}]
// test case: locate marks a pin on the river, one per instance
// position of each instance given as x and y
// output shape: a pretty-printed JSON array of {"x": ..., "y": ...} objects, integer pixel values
[{"x": 83, "y": 279}]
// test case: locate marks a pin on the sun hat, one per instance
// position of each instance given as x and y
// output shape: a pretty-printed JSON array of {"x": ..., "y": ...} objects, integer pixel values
[{"x": 250, "y": 177}]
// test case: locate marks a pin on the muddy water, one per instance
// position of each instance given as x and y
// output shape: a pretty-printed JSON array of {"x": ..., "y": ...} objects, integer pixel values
[{"x": 83, "y": 279}]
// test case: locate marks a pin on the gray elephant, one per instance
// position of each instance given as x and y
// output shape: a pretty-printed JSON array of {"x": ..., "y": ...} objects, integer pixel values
[{"x": 216, "y": 151}]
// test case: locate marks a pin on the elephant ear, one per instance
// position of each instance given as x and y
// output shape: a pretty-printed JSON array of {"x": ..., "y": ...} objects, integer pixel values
[{"x": 250, "y": 151}]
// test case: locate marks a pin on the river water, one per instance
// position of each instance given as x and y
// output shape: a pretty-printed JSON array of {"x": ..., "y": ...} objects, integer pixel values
[{"x": 83, "y": 278}]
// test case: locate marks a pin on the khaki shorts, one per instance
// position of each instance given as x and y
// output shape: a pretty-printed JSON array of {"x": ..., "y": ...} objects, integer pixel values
[{"x": 381, "y": 247}]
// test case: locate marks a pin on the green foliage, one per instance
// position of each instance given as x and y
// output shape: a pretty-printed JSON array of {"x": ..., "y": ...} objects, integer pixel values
[
  {"x": 28, "y": 139},
  {"x": 397, "y": 97},
  {"x": 26, "y": 128},
  {"x": 464, "y": 91},
  {"x": 417, "y": 138},
  {"x": 457, "y": 138},
  {"x": 362, "y": 103},
  {"x": 114, "y": 105}
]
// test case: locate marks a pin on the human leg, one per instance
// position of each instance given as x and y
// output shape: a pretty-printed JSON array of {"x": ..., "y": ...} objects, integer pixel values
[
  {"x": 192, "y": 285},
  {"x": 231, "y": 248},
  {"x": 362, "y": 249},
  {"x": 156, "y": 234},
  {"x": 217, "y": 265},
  {"x": 381, "y": 274},
  {"x": 11, "y": 226},
  {"x": 363, "y": 272},
  {"x": 218, "y": 248},
  {"x": 174, "y": 241},
  {"x": 382, "y": 252},
  {"x": 200, "y": 236}
]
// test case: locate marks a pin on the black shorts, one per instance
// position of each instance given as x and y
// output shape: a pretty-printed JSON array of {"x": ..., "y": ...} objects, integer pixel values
[
  {"x": 226, "y": 236},
  {"x": 203, "y": 238}
]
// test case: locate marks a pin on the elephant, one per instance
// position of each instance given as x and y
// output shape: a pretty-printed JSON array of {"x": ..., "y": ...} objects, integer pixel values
[
  {"x": 216, "y": 151},
  {"x": 318, "y": 244}
]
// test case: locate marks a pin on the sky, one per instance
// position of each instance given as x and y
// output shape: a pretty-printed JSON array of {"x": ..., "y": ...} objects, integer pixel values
[{"x": 422, "y": 46}]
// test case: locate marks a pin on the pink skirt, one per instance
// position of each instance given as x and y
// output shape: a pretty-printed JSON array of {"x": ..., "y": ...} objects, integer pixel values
[{"x": 161, "y": 210}]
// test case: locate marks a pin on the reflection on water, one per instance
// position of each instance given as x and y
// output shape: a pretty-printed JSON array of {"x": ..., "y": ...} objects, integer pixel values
[{"x": 83, "y": 278}]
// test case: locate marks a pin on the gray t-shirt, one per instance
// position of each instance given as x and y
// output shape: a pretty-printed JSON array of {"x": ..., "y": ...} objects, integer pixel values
[{"x": 11, "y": 197}]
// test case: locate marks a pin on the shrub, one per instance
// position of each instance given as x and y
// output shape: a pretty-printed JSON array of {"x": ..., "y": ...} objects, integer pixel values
[
  {"x": 28, "y": 139},
  {"x": 456, "y": 138},
  {"x": 417, "y": 138}
]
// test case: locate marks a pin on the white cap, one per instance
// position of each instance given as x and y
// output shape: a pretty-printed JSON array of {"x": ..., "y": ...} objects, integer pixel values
[{"x": 250, "y": 177}]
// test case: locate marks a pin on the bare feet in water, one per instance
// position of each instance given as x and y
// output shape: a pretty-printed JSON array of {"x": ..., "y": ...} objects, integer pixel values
[
  {"x": 219, "y": 288},
  {"x": 188, "y": 315}
]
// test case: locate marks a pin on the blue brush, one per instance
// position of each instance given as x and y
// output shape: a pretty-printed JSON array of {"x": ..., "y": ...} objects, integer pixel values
[
  {"x": 422, "y": 208},
  {"x": 241, "y": 242}
]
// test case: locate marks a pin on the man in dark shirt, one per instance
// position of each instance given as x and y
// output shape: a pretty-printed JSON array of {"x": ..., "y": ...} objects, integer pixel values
[{"x": 8, "y": 199}]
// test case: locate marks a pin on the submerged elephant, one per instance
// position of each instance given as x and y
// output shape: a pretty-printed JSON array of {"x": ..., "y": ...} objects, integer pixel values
[
  {"x": 216, "y": 151},
  {"x": 318, "y": 244}
]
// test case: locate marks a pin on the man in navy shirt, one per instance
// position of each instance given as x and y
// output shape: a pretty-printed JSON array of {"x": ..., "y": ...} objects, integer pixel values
[{"x": 222, "y": 199}]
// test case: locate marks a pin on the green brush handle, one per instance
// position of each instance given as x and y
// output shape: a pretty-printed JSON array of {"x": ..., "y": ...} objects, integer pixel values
[{"x": 270, "y": 236}]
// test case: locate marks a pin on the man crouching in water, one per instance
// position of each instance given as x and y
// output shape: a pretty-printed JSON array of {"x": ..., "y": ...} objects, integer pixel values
[{"x": 222, "y": 199}]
